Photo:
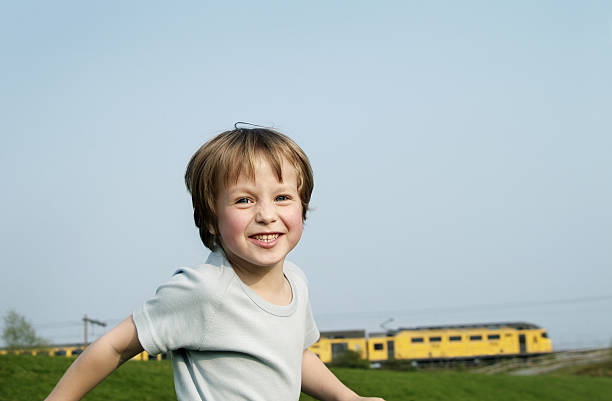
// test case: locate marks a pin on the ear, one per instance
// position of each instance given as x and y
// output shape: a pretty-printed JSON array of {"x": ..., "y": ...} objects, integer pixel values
[{"x": 211, "y": 229}]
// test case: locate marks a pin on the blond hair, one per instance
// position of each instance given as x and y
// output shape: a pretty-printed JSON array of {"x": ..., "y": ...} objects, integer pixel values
[{"x": 224, "y": 158}]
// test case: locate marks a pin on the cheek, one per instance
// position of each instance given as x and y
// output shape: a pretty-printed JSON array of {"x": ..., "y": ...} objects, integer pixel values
[
  {"x": 232, "y": 226},
  {"x": 295, "y": 222}
]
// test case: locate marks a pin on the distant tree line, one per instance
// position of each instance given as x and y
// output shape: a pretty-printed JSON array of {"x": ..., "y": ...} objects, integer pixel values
[{"x": 17, "y": 332}]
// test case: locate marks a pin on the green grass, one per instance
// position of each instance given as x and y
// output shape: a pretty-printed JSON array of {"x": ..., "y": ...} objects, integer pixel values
[
  {"x": 463, "y": 386},
  {"x": 24, "y": 377}
]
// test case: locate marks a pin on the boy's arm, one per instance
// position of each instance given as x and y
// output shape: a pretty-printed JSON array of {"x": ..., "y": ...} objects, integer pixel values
[
  {"x": 98, "y": 361},
  {"x": 320, "y": 383}
]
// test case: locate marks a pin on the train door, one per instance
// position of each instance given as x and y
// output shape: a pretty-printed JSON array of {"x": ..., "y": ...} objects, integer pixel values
[
  {"x": 522, "y": 344},
  {"x": 390, "y": 350},
  {"x": 338, "y": 349}
]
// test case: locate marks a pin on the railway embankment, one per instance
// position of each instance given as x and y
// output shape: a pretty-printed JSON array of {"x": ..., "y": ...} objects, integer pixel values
[{"x": 567, "y": 361}]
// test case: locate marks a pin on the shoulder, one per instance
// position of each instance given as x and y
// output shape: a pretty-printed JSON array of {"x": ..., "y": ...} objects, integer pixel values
[
  {"x": 200, "y": 281},
  {"x": 198, "y": 275},
  {"x": 215, "y": 269}
]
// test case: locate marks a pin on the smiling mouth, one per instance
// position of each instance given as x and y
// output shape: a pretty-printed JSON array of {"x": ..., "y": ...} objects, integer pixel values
[{"x": 266, "y": 237}]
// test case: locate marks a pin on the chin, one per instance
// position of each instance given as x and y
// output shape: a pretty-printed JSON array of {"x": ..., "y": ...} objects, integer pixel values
[
  {"x": 267, "y": 262},
  {"x": 264, "y": 258}
]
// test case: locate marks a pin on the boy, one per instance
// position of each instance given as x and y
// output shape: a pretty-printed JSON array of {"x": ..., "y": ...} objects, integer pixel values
[{"x": 239, "y": 326}]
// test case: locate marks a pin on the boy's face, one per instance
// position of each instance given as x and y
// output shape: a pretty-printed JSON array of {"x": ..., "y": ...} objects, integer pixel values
[{"x": 260, "y": 221}]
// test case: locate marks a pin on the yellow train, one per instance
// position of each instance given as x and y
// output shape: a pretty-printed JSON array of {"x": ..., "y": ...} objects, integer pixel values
[
  {"x": 421, "y": 344},
  {"x": 72, "y": 350},
  {"x": 437, "y": 343},
  {"x": 52, "y": 350}
]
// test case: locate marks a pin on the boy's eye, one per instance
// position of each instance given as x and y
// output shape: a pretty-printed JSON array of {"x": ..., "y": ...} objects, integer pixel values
[
  {"x": 281, "y": 198},
  {"x": 243, "y": 200}
]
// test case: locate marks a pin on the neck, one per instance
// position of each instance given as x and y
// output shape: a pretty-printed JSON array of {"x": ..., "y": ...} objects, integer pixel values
[
  {"x": 267, "y": 277},
  {"x": 267, "y": 282}
]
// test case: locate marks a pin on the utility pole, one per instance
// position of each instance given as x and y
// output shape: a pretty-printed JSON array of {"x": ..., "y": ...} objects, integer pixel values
[{"x": 92, "y": 321}]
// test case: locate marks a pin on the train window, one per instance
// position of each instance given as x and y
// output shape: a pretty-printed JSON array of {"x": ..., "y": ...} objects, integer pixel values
[
  {"x": 77, "y": 351},
  {"x": 475, "y": 338},
  {"x": 416, "y": 339},
  {"x": 455, "y": 338},
  {"x": 435, "y": 339},
  {"x": 493, "y": 337},
  {"x": 544, "y": 334},
  {"x": 60, "y": 352},
  {"x": 378, "y": 346}
]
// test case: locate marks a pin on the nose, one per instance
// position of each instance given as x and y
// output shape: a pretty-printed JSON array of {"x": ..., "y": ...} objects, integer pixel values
[{"x": 266, "y": 213}]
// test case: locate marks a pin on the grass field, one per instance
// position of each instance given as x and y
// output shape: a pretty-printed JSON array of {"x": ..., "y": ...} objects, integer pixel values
[{"x": 26, "y": 378}]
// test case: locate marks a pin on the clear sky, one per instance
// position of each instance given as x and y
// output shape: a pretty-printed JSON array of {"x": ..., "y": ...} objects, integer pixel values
[{"x": 462, "y": 154}]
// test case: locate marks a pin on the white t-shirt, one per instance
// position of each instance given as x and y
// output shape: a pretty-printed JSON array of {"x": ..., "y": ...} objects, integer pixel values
[{"x": 226, "y": 342}]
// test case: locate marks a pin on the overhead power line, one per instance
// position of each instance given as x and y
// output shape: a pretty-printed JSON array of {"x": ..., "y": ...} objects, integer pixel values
[
  {"x": 462, "y": 308},
  {"x": 58, "y": 325},
  {"x": 474, "y": 307}
]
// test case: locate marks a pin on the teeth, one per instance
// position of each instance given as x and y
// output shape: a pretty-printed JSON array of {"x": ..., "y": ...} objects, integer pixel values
[{"x": 266, "y": 237}]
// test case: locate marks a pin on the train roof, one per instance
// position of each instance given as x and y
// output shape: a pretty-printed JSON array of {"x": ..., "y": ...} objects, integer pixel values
[
  {"x": 343, "y": 334},
  {"x": 493, "y": 326},
  {"x": 382, "y": 334}
]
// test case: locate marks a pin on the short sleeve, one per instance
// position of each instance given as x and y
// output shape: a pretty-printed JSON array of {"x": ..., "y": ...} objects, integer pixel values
[
  {"x": 178, "y": 316},
  {"x": 311, "y": 332}
]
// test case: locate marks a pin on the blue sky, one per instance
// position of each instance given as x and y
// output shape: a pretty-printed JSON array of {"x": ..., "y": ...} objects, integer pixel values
[{"x": 461, "y": 154}]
